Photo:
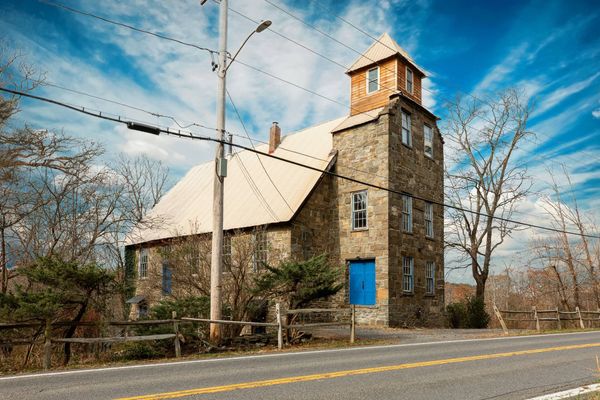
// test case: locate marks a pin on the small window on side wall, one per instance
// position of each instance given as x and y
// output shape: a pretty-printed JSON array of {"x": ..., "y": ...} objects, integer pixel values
[
  {"x": 143, "y": 264},
  {"x": 359, "y": 210},
  {"x": 430, "y": 277},
  {"x": 406, "y": 131},
  {"x": 409, "y": 80},
  {"x": 428, "y": 141},
  {"x": 373, "y": 80}
]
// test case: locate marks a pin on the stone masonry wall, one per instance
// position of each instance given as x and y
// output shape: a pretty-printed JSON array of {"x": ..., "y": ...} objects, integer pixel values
[
  {"x": 364, "y": 148},
  {"x": 414, "y": 173}
]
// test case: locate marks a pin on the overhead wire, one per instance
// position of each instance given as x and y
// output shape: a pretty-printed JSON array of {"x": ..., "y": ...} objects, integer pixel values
[{"x": 190, "y": 135}]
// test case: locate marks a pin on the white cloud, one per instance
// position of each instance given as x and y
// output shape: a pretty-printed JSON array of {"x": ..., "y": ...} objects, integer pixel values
[
  {"x": 596, "y": 113},
  {"x": 499, "y": 72},
  {"x": 560, "y": 94}
]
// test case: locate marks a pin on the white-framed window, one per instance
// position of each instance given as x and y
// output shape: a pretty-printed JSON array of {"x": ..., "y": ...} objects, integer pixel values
[
  {"x": 409, "y": 80},
  {"x": 143, "y": 264},
  {"x": 406, "y": 131},
  {"x": 373, "y": 80},
  {"x": 429, "y": 220},
  {"x": 430, "y": 277},
  {"x": 408, "y": 273},
  {"x": 428, "y": 141},
  {"x": 359, "y": 210},
  {"x": 227, "y": 252},
  {"x": 407, "y": 213},
  {"x": 260, "y": 254}
]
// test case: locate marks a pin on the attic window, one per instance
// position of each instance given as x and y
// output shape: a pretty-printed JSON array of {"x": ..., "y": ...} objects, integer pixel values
[
  {"x": 409, "y": 80},
  {"x": 373, "y": 80}
]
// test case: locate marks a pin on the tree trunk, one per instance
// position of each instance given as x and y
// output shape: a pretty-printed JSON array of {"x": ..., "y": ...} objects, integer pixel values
[
  {"x": 480, "y": 288},
  {"x": 4, "y": 259},
  {"x": 71, "y": 331}
]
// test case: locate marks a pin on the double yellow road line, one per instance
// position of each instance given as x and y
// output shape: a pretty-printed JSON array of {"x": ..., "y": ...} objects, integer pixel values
[{"x": 350, "y": 372}]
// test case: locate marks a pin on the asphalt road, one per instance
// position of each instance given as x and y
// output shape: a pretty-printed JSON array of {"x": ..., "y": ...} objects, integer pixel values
[{"x": 503, "y": 368}]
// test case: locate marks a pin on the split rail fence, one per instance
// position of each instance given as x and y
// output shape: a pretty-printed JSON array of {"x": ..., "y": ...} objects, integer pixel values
[
  {"x": 47, "y": 339},
  {"x": 537, "y": 317}
]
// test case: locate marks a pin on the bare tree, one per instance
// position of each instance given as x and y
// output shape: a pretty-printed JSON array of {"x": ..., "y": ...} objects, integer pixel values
[{"x": 481, "y": 176}]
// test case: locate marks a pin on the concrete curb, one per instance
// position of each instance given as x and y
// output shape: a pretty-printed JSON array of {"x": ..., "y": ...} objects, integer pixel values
[{"x": 567, "y": 394}]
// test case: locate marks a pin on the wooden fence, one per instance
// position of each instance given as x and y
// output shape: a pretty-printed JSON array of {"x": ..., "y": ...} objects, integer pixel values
[
  {"x": 537, "y": 317},
  {"x": 177, "y": 337}
]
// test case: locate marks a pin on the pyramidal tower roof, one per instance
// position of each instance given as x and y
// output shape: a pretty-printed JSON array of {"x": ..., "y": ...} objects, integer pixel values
[{"x": 384, "y": 47}]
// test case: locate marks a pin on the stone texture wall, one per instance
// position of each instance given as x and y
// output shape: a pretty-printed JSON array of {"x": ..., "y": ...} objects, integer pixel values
[
  {"x": 414, "y": 173},
  {"x": 364, "y": 148}
]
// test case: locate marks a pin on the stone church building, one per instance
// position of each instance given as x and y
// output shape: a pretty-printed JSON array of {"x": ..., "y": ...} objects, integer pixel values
[{"x": 389, "y": 242}]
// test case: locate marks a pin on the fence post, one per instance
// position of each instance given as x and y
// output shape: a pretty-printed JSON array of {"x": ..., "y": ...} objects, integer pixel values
[
  {"x": 537, "y": 319},
  {"x": 580, "y": 319},
  {"x": 279, "y": 326},
  {"x": 558, "y": 319},
  {"x": 176, "y": 331},
  {"x": 47, "y": 345},
  {"x": 499, "y": 316},
  {"x": 352, "y": 323}
]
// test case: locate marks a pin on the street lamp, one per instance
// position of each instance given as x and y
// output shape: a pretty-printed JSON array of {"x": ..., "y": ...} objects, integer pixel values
[{"x": 221, "y": 172}]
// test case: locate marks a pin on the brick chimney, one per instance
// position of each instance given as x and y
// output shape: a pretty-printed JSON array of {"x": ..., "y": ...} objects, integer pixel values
[{"x": 274, "y": 137}]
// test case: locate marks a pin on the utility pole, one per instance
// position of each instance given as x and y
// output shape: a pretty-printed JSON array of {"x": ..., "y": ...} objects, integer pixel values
[{"x": 219, "y": 177}]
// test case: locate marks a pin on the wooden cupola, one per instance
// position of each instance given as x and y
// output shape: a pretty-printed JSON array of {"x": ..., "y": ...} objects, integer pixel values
[{"x": 384, "y": 69}]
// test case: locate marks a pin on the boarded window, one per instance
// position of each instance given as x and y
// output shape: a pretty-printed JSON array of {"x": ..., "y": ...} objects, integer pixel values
[{"x": 359, "y": 210}]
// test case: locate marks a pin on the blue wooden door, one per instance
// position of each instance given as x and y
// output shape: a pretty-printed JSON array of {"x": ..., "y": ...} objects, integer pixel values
[{"x": 362, "y": 282}]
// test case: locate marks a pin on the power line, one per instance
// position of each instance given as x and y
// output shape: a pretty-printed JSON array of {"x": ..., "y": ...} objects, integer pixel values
[
  {"x": 257, "y": 156},
  {"x": 123, "y": 25},
  {"x": 190, "y": 135}
]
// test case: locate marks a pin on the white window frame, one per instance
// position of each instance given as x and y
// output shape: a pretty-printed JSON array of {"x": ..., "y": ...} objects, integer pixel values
[
  {"x": 406, "y": 129},
  {"x": 428, "y": 140},
  {"x": 410, "y": 81},
  {"x": 429, "y": 277},
  {"x": 354, "y": 215},
  {"x": 368, "y": 80},
  {"x": 428, "y": 219},
  {"x": 143, "y": 263},
  {"x": 408, "y": 274},
  {"x": 407, "y": 213}
]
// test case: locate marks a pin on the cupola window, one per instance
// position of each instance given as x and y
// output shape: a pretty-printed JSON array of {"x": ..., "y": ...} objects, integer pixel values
[{"x": 373, "y": 80}]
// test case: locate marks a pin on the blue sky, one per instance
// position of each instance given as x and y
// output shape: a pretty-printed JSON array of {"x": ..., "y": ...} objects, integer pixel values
[{"x": 549, "y": 49}]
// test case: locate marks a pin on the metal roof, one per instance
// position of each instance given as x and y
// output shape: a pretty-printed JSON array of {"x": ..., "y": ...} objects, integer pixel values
[
  {"x": 381, "y": 49},
  {"x": 187, "y": 208}
]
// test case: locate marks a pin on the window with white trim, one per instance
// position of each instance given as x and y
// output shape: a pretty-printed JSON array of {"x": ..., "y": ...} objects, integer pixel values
[
  {"x": 408, "y": 271},
  {"x": 259, "y": 256},
  {"x": 143, "y": 264},
  {"x": 407, "y": 216},
  {"x": 430, "y": 277},
  {"x": 429, "y": 220},
  {"x": 373, "y": 80},
  {"x": 428, "y": 141},
  {"x": 359, "y": 210},
  {"x": 406, "y": 131},
  {"x": 409, "y": 80}
]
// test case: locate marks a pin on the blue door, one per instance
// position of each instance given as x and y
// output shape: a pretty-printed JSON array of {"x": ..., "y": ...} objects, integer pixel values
[{"x": 362, "y": 282}]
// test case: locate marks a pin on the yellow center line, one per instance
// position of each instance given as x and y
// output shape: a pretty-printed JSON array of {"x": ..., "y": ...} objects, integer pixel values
[{"x": 339, "y": 374}]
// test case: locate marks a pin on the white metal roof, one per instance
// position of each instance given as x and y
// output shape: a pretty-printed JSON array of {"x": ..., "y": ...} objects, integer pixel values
[
  {"x": 187, "y": 208},
  {"x": 381, "y": 49}
]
